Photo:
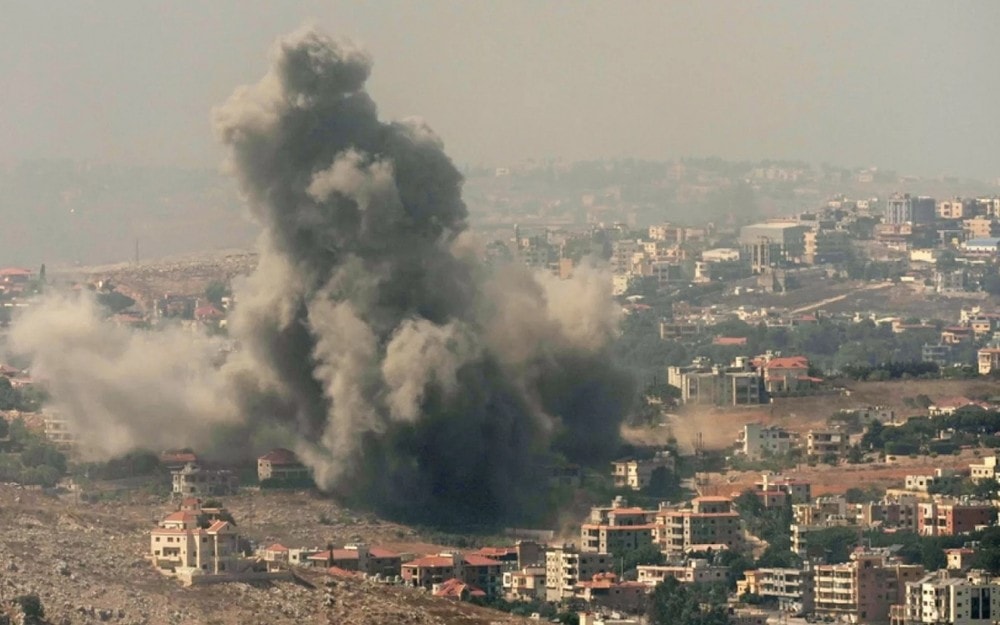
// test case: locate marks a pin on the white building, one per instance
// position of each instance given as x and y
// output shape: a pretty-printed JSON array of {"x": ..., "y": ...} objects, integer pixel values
[
  {"x": 937, "y": 599},
  {"x": 759, "y": 440},
  {"x": 565, "y": 566}
]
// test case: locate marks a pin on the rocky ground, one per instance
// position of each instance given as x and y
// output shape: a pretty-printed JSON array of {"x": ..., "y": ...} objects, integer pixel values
[{"x": 86, "y": 563}]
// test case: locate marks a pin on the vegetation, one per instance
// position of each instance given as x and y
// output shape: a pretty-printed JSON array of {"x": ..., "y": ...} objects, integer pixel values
[
  {"x": 30, "y": 459},
  {"x": 674, "y": 603}
]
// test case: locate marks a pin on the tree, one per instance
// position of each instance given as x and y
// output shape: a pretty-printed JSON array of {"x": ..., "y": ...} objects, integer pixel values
[
  {"x": 31, "y": 606},
  {"x": 215, "y": 291},
  {"x": 672, "y": 603},
  {"x": 991, "y": 284}
]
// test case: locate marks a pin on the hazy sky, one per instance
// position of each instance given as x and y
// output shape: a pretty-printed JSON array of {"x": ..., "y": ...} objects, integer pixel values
[{"x": 908, "y": 85}]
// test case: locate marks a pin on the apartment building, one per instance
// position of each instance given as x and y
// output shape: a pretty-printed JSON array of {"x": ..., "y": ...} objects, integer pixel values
[
  {"x": 758, "y": 441},
  {"x": 717, "y": 386},
  {"x": 565, "y": 566},
  {"x": 195, "y": 481},
  {"x": 792, "y": 589},
  {"x": 939, "y": 598},
  {"x": 988, "y": 359},
  {"x": 281, "y": 465},
  {"x": 605, "y": 591},
  {"x": 863, "y": 589},
  {"x": 941, "y": 518},
  {"x": 795, "y": 490},
  {"x": 617, "y": 529},
  {"x": 985, "y": 470},
  {"x": 527, "y": 584},
  {"x": 483, "y": 573},
  {"x": 823, "y": 442},
  {"x": 891, "y": 513},
  {"x": 710, "y": 523}
]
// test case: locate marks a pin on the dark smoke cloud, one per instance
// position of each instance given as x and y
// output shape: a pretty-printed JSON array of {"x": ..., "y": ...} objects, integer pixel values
[{"x": 409, "y": 375}]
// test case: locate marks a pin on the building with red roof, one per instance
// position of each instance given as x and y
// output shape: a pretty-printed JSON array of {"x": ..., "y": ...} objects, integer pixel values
[
  {"x": 476, "y": 570},
  {"x": 457, "y": 590},
  {"x": 360, "y": 558},
  {"x": 281, "y": 465},
  {"x": 604, "y": 590}
]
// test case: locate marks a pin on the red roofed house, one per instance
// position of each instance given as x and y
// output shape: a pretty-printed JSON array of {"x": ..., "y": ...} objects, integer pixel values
[
  {"x": 786, "y": 374},
  {"x": 604, "y": 590},
  {"x": 472, "y": 569},
  {"x": 737, "y": 341},
  {"x": 281, "y": 465},
  {"x": 208, "y": 314},
  {"x": 949, "y": 405},
  {"x": 15, "y": 275},
  {"x": 360, "y": 558},
  {"x": 176, "y": 459},
  {"x": 457, "y": 589},
  {"x": 179, "y": 547}
]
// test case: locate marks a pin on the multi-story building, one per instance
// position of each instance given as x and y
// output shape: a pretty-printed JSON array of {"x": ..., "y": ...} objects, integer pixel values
[
  {"x": 823, "y": 442},
  {"x": 989, "y": 360},
  {"x": 565, "y": 566},
  {"x": 898, "y": 513},
  {"x": 695, "y": 571},
  {"x": 937, "y": 518},
  {"x": 604, "y": 590},
  {"x": 60, "y": 431},
  {"x": 773, "y": 243},
  {"x": 195, "y": 481},
  {"x": 281, "y": 465},
  {"x": 981, "y": 228},
  {"x": 939, "y": 598},
  {"x": 985, "y": 471},
  {"x": 795, "y": 490},
  {"x": 904, "y": 208},
  {"x": 863, "y": 589},
  {"x": 636, "y": 474},
  {"x": 826, "y": 246},
  {"x": 735, "y": 385},
  {"x": 192, "y": 547},
  {"x": 951, "y": 209},
  {"x": 759, "y": 440},
  {"x": 617, "y": 529},
  {"x": 710, "y": 523},
  {"x": 527, "y": 584},
  {"x": 791, "y": 588},
  {"x": 483, "y": 573}
]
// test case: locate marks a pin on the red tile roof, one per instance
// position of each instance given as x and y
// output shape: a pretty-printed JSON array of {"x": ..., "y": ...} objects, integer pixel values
[
  {"x": 336, "y": 571},
  {"x": 729, "y": 340},
  {"x": 476, "y": 560},
  {"x": 454, "y": 588},
  {"x": 218, "y": 526},
  {"x": 181, "y": 515},
  {"x": 277, "y": 547},
  {"x": 791, "y": 362},
  {"x": 432, "y": 562},
  {"x": 280, "y": 456},
  {"x": 378, "y": 552}
]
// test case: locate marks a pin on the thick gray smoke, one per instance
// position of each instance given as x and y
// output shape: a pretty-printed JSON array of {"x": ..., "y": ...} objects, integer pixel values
[{"x": 409, "y": 374}]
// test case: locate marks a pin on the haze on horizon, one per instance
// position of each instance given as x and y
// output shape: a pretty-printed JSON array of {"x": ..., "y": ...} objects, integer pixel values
[{"x": 905, "y": 85}]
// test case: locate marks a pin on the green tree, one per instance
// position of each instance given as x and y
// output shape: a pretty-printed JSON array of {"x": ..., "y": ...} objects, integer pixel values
[
  {"x": 672, "y": 603},
  {"x": 215, "y": 291}
]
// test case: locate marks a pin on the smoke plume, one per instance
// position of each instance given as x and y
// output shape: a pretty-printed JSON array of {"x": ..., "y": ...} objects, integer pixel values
[{"x": 407, "y": 373}]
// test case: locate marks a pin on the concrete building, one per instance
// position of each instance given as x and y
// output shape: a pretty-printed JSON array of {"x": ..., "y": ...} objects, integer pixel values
[
  {"x": 565, "y": 566},
  {"x": 717, "y": 386},
  {"x": 768, "y": 244},
  {"x": 617, "y": 529},
  {"x": 827, "y": 246},
  {"x": 823, "y": 442},
  {"x": 605, "y": 591},
  {"x": 937, "y": 518},
  {"x": 527, "y": 584},
  {"x": 950, "y": 209},
  {"x": 939, "y": 598},
  {"x": 757, "y": 441},
  {"x": 635, "y": 474},
  {"x": 281, "y": 465},
  {"x": 710, "y": 523},
  {"x": 478, "y": 571},
  {"x": 59, "y": 431},
  {"x": 862, "y": 590},
  {"x": 796, "y": 490},
  {"x": 904, "y": 208},
  {"x": 194, "y": 481},
  {"x": 988, "y": 360},
  {"x": 694, "y": 571},
  {"x": 981, "y": 228},
  {"x": 985, "y": 470},
  {"x": 791, "y": 588}
]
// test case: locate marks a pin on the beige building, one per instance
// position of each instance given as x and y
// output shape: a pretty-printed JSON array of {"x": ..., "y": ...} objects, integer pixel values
[
  {"x": 985, "y": 470},
  {"x": 281, "y": 465},
  {"x": 939, "y": 598},
  {"x": 823, "y": 442},
  {"x": 989, "y": 360},
  {"x": 527, "y": 584},
  {"x": 863, "y": 589},
  {"x": 710, "y": 523},
  {"x": 190, "y": 546},
  {"x": 635, "y": 474},
  {"x": 565, "y": 566},
  {"x": 696, "y": 571}
]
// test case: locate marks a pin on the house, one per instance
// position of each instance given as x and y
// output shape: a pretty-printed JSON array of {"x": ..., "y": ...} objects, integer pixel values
[
  {"x": 949, "y": 405},
  {"x": 176, "y": 459},
  {"x": 758, "y": 441},
  {"x": 195, "y": 481},
  {"x": 792, "y": 588},
  {"x": 988, "y": 359},
  {"x": 786, "y": 373},
  {"x": 985, "y": 470},
  {"x": 281, "y": 465},
  {"x": 60, "y": 431},
  {"x": 636, "y": 474},
  {"x": 194, "y": 548},
  {"x": 359, "y": 558},
  {"x": 604, "y": 590},
  {"x": 478, "y": 571},
  {"x": 457, "y": 590},
  {"x": 526, "y": 584},
  {"x": 822, "y": 442},
  {"x": 797, "y": 490},
  {"x": 694, "y": 571}
]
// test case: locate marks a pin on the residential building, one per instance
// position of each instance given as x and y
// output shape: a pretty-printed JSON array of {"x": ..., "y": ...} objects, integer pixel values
[
  {"x": 190, "y": 546},
  {"x": 786, "y": 373},
  {"x": 823, "y": 442},
  {"x": 694, "y": 571},
  {"x": 940, "y": 354},
  {"x": 898, "y": 513},
  {"x": 826, "y": 246},
  {"x": 527, "y": 584},
  {"x": 759, "y": 440},
  {"x": 281, "y": 465},
  {"x": 710, "y": 523},
  {"x": 959, "y": 559},
  {"x": 605, "y": 591},
  {"x": 361, "y": 558},
  {"x": 60, "y": 431},
  {"x": 988, "y": 360},
  {"x": 478, "y": 571},
  {"x": 565, "y": 566},
  {"x": 937, "y": 518},
  {"x": 985, "y": 470},
  {"x": 796, "y": 490},
  {"x": 195, "y": 481},
  {"x": 791, "y": 588},
  {"x": 939, "y": 598},
  {"x": 863, "y": 589},
  {"x": 774, "y": 243},
  {"x": 981, "y": 228},
  {"x": 700, "y": 384},
  {"x": 951, "y": 209},
  {"x": 984, "y": 247},
  {"x": 635, "y": 474}
]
